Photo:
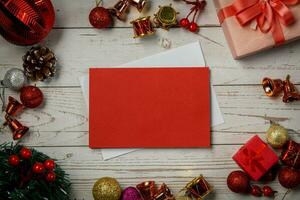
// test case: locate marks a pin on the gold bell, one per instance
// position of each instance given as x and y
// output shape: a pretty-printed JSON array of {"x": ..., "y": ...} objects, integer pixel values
[
  {"x": 166, "y": 17},
  {"x": 142, "y": 27},
  {"x": 16, "y": 127},
  {"x": 120, "y": 8},
  {"x": 272, "y": 87},
  {"x": 13, "y": 107},
  {"x": 290, "y": 92},
  {"x": 139, "y": 4}
]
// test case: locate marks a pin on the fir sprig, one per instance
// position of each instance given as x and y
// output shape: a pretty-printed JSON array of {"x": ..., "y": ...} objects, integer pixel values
[{"x": 34, "y": 189}]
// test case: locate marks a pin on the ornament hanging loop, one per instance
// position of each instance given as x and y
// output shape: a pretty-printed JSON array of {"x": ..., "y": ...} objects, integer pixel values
[{"x": 99, "y": 2}]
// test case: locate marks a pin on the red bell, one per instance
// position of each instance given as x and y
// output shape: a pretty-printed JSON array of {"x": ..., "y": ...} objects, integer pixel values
[
  {"x": 272, "y": 87},
  {"x": 16, "y": 127},
  {"x": 13, "y": 107},
  {"x": 25, "y": 22},
  {"x": 290, "y": 92},
  {"x": 120, "y": 8}
]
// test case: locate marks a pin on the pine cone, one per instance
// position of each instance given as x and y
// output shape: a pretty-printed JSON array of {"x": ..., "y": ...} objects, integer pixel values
[{"x": 39, "y": 63}]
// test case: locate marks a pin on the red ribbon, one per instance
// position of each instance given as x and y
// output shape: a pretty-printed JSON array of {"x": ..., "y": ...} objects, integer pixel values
[
  {"x": 269, "y": 14},
  {"x": 253, "y": 158}
]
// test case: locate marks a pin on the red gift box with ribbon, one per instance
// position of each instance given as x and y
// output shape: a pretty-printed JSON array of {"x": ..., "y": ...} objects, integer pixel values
[
  {"x": 255, "y": 158},
  {"x": 251, "y": 26},
  {"x": 290, "y": 154}
]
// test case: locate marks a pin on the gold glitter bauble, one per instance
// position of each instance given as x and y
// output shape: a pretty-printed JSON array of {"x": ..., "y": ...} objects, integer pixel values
[
  {"x": 107, "y": 189},
  {"x": 277, "y": 136}
]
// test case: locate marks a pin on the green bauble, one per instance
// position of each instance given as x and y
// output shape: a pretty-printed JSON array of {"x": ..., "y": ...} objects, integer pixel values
[{"x": 107, "y": 188}]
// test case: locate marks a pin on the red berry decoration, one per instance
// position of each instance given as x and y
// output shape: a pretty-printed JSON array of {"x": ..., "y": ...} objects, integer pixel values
[
  {"x": 38, "y": 168},
  {"x": 289, "y": 177},
  {"x": 193, "y": 27},
  {"x": 50, "y": 177},
  {"x": 100, "y": 17},
  {"x": 256, "y": 191},
  {"x": 14, "y": 160},
  {"x": 31, "y": 96},
  {"x": 25, "y": 153},
  {"x": 198, "y": 6},
  {"x": 49, "y": 164},
  {"x": 238, "y": 181},
  {"x": 268, "y": 192},
  {"x": 185, "y": 22}
]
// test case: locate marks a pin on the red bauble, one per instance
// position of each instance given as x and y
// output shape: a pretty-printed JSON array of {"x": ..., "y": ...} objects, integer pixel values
[
  {"x": 289, "y": 177},
  {"x": 49, "y": 164},
  {"x": 31, "y": 96},
  {"x": 25, "y": 153},
  {"x": 14, "y": 160},
  {"x": 238, "y": 181},
  {"x": 38, "y": 168},
  {"x": 268, "y": 192},
  {"x": 26, "y": 22},
  {"x": 193, "y": 27},
  {"x": 256, "y": 191},
  {"x": 100, "y": 17},
  {"x": 50, "y": 177},
  {"x": 184, "y": 22}
]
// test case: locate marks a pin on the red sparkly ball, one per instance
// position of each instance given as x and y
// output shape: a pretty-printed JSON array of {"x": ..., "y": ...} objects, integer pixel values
[
  {"x": 38, "y": 168},
  {"x": 25, "y": 153},
  {"x": 184, "y": 22},
  {"x": 14, "y": 160},
  {"x": 193, "y": 27},
  {"x": 49, "y": 164},
  {"x": 289, "y": 177},
  {"x": 50, "y": 177},
  {"x": 256, "y": 191},
  {"x": 238, "y": 181},
  {"x": 31, "y": 96},
  {"x": 100, "y": 17},
  {"x": 268, "y": 192}
]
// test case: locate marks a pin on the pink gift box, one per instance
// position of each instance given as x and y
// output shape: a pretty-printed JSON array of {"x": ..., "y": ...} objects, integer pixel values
[{"x": 242, "y": 29}]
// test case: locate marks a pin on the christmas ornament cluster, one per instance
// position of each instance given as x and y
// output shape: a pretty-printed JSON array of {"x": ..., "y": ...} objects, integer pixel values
[
  {"x": 166, "y": 16},
  {"x": 260, "y": 164},
  {"x": 29, "y": 174},
  {"x": 108, "y": 188},
  {"x": 39, "y": 65}
]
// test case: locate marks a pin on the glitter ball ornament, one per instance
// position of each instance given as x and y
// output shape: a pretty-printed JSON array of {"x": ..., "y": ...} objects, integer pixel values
[
  {"x": 100, "y": 17},
  {"x": 50, "y": 177},
  {"x": 49, "y": 164},
  {"x": 238, "y": 181},
  {"x": 107, "y": 189},
  {"x": 38, "y": 168},
  {"x": 14, "y": 79},
  {"x": 268, "y": 191},
  {"x": 131, "y": 193},
  {"x": 39, "y": 63},
  {"x": 277, "y": 135},
  {"x": 289, "y": 177},
  {"x": 14, "y": 160},
  {"x": 256, "y": 191},
  {"x": 25, "y": 153},
  {"x": 31, "y": 96}
]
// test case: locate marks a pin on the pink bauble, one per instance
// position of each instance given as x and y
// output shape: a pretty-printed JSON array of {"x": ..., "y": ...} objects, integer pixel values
[{"x": 131, "y": 193}]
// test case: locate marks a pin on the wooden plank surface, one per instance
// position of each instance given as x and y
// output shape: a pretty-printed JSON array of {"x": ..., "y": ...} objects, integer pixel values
[{"x": 60, "y": 127}]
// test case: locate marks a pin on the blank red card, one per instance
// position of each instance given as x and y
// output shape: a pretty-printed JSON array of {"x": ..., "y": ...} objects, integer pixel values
[{"x": 149, "y": 107}]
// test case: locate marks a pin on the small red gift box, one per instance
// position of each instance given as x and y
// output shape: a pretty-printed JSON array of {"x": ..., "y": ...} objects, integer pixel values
[
  {"x": 290, "y": 154},
  {"x": 255, "y": 158}
]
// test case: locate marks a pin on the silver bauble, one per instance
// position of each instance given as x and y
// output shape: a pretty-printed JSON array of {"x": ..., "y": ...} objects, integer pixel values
[{"x": 14, "y": 79}]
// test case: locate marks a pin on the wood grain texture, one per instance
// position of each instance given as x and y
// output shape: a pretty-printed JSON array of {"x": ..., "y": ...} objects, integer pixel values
[{"x": 60, "y": 127}]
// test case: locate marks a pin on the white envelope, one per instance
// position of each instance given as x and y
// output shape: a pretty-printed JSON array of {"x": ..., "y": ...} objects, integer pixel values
[{"x": 186, "y": 56}]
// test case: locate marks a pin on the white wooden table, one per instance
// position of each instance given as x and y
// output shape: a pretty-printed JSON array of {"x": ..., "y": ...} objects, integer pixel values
[{"x": 60, "y": 128}]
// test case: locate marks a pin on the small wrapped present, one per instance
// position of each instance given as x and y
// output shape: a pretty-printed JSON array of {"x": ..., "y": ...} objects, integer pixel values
[
  {"x": 251, "y": 26},
  {"x": 290, "y": 154},
  {"x": 255, "y": 158}
]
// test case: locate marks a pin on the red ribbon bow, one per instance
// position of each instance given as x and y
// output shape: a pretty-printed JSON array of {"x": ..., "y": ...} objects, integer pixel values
[
  {"x": 253, "y": 159},
  {"x": 269, "y": 14}
]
